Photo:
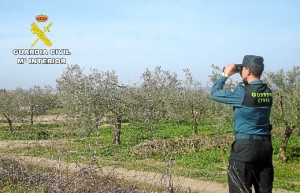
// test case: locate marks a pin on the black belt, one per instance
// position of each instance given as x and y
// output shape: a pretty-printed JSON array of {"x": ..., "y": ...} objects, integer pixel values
[{"x": 249, "y": 136}]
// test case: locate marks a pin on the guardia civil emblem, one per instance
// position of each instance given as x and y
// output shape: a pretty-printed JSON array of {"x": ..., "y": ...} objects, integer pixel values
[{"x": 41, "y": 34}]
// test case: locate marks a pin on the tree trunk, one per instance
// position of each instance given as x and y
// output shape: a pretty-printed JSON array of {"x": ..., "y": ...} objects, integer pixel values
[
  {"x": 31, "y": 118},
  {"x": 117, "y": 138},
  {"x": 282, "y": 150},
  {"x": 97, "y": 125},
  {"x": 98, "y": 117},
  {"x": 9, "y": 121},
  {"x": 286, "y": 136},
  {"x": 195, "y": 123}
]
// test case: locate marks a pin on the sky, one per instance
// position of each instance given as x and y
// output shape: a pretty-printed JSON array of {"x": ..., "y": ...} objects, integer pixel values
[{"x": 129, "y": 36}]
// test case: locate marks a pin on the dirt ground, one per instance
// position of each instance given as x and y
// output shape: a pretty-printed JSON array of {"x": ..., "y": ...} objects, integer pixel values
[{"x": 152, "y": 178}]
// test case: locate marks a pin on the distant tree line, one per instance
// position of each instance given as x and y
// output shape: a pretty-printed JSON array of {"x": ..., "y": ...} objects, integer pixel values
[{"x": 24, "y": 105}]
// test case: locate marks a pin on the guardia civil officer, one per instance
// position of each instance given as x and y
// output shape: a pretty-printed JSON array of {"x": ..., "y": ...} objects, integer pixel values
[{"x": 250, "y": 162}]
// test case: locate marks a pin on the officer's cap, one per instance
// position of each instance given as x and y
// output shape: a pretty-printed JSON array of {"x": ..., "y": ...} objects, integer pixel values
[{"x": 253, "y": 61}]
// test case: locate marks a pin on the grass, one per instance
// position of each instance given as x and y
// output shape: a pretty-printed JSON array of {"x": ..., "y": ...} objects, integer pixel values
[
  {"x": 209, "y": 164},
  {"x": 10, "y": 186},
  {"x": 32, "y": 132}
]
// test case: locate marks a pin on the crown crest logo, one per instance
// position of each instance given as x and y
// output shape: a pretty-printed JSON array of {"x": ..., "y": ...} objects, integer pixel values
[
  {"x": 41, "y": 18},
  {"x": 41, "y": 34}
]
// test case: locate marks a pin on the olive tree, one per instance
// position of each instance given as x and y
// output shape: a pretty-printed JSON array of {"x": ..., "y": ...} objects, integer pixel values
[
  {"x": 87, "y": 99},
  {"x": 219, "y": 113},
  {"x": 154, "y": 97},
  {"x": 194, "y": 101},
  {"x": 74, "y": 98},
  {"x": 286, "y": 105},
  {"x": 99, "y": 87},
  {"x": 8, "y": 108},
  {"x": 108, "y": 97},
  {"x": 11, "y": 106},
  {"x": 96, "y": 97},
  {"x": 38, "y": 101}
]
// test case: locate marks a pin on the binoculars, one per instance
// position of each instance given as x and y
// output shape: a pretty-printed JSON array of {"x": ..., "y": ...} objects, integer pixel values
[{"x": 237, "y": 68}]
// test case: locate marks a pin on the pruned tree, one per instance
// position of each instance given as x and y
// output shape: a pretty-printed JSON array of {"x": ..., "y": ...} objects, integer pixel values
[
  {"x": 118, "y": 106},
  {"x": 194, "y": 101},
  {"x": 96, "y": 96},
  {"x": 11, "y": 106},
  {"x": 108, "y": 97},
  {"x": 286, "y": 104},
  {"x": 38, "y": 101},
  {"x": 74, "y": 92},
  {"x": 154, "y": 97},
  {"x": 7, "y": 108},
  {"x": 86, "y": 99},
  {"x": 220, "y": 114}
]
